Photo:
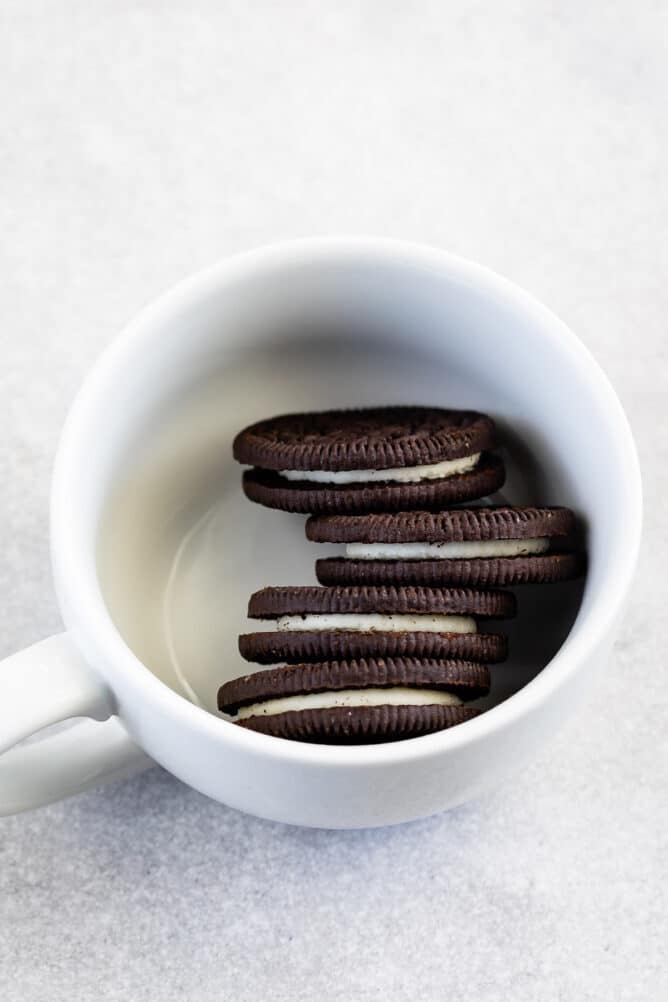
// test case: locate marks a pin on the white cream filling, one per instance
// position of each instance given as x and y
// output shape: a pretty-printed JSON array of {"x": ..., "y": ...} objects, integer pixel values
[
  {"x": 445, "y": 551},
  {"x": 396, "y": 696},
  {"x": 370, "y": 622},
  {"x": 403, "y": 475}
]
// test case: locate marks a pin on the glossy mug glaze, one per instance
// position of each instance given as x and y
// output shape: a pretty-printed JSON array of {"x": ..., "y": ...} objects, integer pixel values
[{"x": 144, "y": 468}]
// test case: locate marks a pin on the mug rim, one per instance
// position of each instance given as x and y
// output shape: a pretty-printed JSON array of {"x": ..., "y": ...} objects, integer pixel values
[{"x": 80, "y": 597}]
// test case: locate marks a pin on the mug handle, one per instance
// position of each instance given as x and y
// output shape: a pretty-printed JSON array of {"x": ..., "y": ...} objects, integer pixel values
[{"x": 42, "y": 685}]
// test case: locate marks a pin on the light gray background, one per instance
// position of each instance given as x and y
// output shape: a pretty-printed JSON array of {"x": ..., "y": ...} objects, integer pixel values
[{"x": 141, "y": 141}]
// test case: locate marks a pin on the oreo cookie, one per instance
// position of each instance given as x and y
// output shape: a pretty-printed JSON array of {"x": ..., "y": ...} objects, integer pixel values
[
  {"x": 371, "y": 460},
  {"x": 478, "y": 547},
  {"x": 356, "y": 701},
  {"x": 330, "y": 624}
]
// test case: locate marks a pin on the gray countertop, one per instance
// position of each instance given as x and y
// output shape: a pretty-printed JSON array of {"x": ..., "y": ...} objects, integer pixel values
[{"x": 141, "y": 141}]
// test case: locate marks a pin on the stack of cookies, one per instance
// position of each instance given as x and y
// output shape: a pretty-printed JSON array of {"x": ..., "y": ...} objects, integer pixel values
[{"x": 389, "y": 645}]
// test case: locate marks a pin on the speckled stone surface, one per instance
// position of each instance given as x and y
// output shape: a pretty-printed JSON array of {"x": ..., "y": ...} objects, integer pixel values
[{"x": 143, "y": 140}]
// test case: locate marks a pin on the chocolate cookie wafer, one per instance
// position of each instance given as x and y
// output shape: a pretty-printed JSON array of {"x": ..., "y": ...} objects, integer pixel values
[
  {"x": 479, "y": 547},
  {"x": 376, "y": 459},
  {"x": 315, "y": 624},
  {"x": 357, "y": 701}
]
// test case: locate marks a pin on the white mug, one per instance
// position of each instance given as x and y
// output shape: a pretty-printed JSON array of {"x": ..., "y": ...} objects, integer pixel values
[{"x": 155, "y": 551}]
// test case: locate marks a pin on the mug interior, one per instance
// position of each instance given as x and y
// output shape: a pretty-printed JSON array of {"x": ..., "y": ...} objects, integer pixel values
[{"x": 179, "y": 549}]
